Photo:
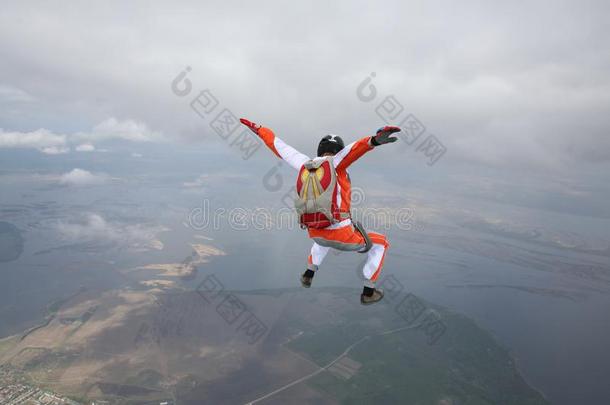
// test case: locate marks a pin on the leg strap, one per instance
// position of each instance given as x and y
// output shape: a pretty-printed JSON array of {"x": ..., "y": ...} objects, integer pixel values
[{"x": 368, "y": 244}]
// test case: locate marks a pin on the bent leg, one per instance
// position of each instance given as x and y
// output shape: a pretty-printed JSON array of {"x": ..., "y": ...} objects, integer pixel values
[
  {"x": 313, "y": 261},
  {"x": 347, "y": 238},
  {"x": 375, "y": 258},
  {"x": 318, "y": 253}
]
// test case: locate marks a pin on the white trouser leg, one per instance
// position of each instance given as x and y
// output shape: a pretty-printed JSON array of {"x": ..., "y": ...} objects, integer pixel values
[
  {"x": 373, "y": 262},
  {"x": 318, "y": 253}
]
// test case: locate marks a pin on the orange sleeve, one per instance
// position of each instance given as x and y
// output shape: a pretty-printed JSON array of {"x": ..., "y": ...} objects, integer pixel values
[
  {"x": 352, "y": 152},
  {"x": 268, "y": 137}
]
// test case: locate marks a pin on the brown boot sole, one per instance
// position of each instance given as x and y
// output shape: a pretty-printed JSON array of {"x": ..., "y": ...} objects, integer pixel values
[
  {"x": 376, "y": 297},
  {"x": 305, "y": 282}
]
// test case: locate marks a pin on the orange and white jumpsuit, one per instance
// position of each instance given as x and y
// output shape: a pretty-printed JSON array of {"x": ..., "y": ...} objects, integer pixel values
[{"x": 341, "y": 235}]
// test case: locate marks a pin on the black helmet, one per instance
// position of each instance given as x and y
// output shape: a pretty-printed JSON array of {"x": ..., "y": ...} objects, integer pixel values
[{"x": 330, "y": 144}]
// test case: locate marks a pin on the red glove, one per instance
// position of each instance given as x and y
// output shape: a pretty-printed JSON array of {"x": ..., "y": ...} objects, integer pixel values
[{"x": 253, "y": 127}]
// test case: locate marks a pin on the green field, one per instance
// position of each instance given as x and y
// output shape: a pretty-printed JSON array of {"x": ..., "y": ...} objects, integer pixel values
[{"x": 465, "y": 366}]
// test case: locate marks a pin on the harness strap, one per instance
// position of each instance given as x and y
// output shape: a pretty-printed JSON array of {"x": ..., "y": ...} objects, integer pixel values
[{"x": 368, "y": 244}]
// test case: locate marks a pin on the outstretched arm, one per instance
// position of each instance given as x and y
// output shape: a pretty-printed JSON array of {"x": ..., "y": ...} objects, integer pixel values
[
  {"x": 355, "y": 150},
  {"x": 286, "y": 152}
]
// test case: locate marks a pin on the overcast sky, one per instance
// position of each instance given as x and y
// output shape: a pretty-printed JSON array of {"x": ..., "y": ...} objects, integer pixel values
[{"x": 507, "y": 84}]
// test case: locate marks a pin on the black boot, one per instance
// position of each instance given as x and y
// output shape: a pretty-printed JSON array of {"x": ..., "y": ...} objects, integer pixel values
[
  {"x": 307, "y": 277},
  {"x": 370, "y": 295}
]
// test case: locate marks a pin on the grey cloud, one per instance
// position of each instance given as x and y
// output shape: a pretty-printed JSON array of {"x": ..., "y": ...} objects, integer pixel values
[{"x": 503, "y": 84}]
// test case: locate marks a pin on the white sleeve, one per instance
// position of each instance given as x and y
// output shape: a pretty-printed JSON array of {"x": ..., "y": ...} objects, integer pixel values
[
  {"x": 342, "y": 153},
  {"x": 292, "y": 156}
]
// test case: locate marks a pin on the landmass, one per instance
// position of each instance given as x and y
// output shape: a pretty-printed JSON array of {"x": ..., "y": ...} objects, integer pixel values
[{"x": 277, "y": 346}]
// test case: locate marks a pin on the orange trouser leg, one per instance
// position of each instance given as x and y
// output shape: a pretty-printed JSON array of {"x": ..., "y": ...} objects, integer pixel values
[{"x": 349, "y": 239}]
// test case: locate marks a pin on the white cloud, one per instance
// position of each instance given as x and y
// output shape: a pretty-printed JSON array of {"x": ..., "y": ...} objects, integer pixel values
[
  {"x": 214, "y": 179},
  {"x": 94, "y": 227},
  {"x": 13, "y": 94},
  {"x": 198, "y": 182},
  {"x": 41, "y": 139},
  {"x": 52, "y": 144},
  {"x": 129, "y": 130},
  {"x": 136, "y": 155},
  {"x": 85, "y": 147},
  {"x": 55, "y": 150},
  {"x": 80, "y": 177}
]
